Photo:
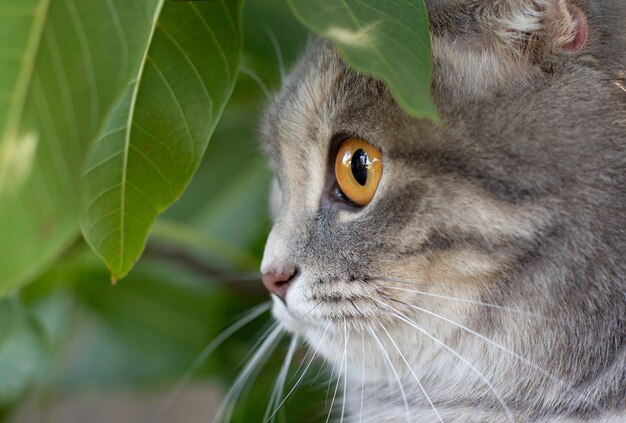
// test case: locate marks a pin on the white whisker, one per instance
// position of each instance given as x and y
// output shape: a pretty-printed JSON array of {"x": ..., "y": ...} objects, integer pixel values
[
  {"x": 206, "y": 352},
  {"x": 304, "y": 360},
  {"x": 256, "y": 78},
  {"x": 277, "y": 51},
  {"x": 502, "y": 348},
  {"x": 403, "y": 318},
  {"x": 257, "y": 360},
  {"x": 461, "y": 300},
  {"x": 413, "y": 373},
  {"x": 279, "y": 385},
  {"x": 395, "y": 373},
  {"x": 301, "y": 376},
  {"x": 345, "y": 372},
  {"x": 264, "y": 331},
  {"x": 332, "y": 372},
  {"x": 343, "y": 360}
]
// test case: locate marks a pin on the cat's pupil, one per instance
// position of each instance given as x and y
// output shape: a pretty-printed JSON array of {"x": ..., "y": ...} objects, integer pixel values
[{"x": 359, "y": 166}]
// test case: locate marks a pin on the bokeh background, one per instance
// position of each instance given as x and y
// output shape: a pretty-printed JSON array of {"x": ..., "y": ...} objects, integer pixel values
[{"x": 79, "y": 349}]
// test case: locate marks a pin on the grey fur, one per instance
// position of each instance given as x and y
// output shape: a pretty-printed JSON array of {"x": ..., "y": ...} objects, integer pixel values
[{"x": 517, "y": 200}]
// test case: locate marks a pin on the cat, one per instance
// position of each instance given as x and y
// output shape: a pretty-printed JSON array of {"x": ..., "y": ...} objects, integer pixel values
[{"x": 471, "y": 270}]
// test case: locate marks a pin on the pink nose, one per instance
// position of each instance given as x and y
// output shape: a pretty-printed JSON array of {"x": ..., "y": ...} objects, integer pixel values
[{"x": 278, "y": 282}]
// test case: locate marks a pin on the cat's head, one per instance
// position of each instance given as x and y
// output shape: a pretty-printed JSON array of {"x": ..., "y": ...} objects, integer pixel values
[{"x": 401, "y": 242}]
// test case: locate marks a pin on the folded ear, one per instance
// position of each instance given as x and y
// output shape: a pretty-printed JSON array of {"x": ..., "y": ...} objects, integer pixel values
[
  {"x": 482, "y": 45},
  {"x": 545, "y": 26}
]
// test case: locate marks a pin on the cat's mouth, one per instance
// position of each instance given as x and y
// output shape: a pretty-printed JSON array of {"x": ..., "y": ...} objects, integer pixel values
[{"x": 344, "y": 302}]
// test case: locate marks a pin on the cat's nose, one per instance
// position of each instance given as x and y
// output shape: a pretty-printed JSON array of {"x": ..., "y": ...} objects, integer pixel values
[{"x": 278, "y": 282}]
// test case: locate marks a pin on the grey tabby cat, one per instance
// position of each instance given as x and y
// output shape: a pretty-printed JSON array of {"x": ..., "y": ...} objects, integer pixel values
[{"x": 472, "y": 271}]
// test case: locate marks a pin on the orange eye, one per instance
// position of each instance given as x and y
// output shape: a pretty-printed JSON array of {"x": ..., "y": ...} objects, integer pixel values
[{"x": 358, "y": 169}]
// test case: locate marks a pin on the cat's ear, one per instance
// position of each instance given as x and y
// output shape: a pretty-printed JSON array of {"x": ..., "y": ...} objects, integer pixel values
[
  {"x": 537, "y": 26},
  {"x": 499, "y": 43}
]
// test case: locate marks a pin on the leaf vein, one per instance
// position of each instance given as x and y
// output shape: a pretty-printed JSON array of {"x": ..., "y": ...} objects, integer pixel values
[
  {"x": 215, "y": 41},
  {"x": 131, "y": 114},
  {"x": 121, "y": 34},
  {"x": 176, "y": 102},
  {"x": 85, "y": 53},
  {"x": 102, "y": 194},
  {"x": 102, "y": 162},
  {"x": 154, "y": 166}
]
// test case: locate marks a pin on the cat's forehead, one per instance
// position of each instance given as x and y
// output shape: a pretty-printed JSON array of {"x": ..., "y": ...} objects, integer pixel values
[{"x": 324, "y": 98}]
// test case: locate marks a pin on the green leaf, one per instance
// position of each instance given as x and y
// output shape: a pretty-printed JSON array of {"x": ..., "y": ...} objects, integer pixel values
[
  {"x": 63, "y": 64},
  {"x": 386, "y": 39},
  {"x": 154, "y": 140},
  {"x": 146, "y": 330},
  {"x": 22, "y": 350}
]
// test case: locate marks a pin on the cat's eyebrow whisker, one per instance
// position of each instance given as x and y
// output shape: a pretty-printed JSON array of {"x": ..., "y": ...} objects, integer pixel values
[
  {"x": 394, "y": 371},
  {"x": 277, "y": 51},
  {"x": 413, "y": 373},
  {"x": 272, "y": 337},
  {"x": 206, "y": 352},
  {"x": 395, "y": 312},
  {"x": 300, "y": 113},
  {"x": 501, "y": 347},
  {"x": 257, "y": 79},
  {"x": 343, "y": 361},
  {"x": 310, "y": 90},
  {"x": 279, "y": 385},
  {"x": 300, "y": 125},
  {"x": 447, "y": 297},
  {"x": 301, "y": 376}
]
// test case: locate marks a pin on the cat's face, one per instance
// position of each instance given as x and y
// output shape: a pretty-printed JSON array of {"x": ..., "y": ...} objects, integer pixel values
[
  {"x": 438, "y": 224},
  {"x": 486, "y": 225}
]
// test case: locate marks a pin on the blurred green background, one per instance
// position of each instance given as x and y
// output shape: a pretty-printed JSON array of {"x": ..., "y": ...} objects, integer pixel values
[{"x": 72, "y": 341}]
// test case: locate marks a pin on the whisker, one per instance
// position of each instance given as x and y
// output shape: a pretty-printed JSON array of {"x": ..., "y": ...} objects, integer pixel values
[
  {"x": 413, "y": 373},
  {"x": 301, "y": 376},
  {"x": 206, "y": 352},
  {"x": 332, "y": 372},
  {"x": 304, "y": 360},
  {"x": 277, "y": 51},
  {"x": 312, "y": 308},
  {"x": 345, "y": 372},
  {"x": 258, "y": 359},
  {"x": 296, "y": 111},
  {"x": 446, "y": 297},
  {"x": 502, "y": 348},
  {"x": 260, "y": 338},
  {"x": 362, "y": 375},
  {"x": 343, "y": 360},
  {"x": 256, "y": 78},
  {"x": 403, "y": 318},
  {"x": 279, "y": 385},
  {"x": 393, "y": 369}
]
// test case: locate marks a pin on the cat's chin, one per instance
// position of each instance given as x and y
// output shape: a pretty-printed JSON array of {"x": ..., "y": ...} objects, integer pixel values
[
  {"x": 313, "y": 330},
  {"x": 287, "y": 320}
]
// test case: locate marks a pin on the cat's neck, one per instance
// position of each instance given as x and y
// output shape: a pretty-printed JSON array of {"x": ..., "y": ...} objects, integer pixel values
[
  {"x": 397, "y": 413},
  {"x": 453, "y": 397}
]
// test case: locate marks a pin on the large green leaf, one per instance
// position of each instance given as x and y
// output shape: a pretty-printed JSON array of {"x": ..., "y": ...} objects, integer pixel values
[
  {"x": 387, "y": 39},
  {"x": 156, "y": 136},
  {"x": 63, "y": 63}
]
